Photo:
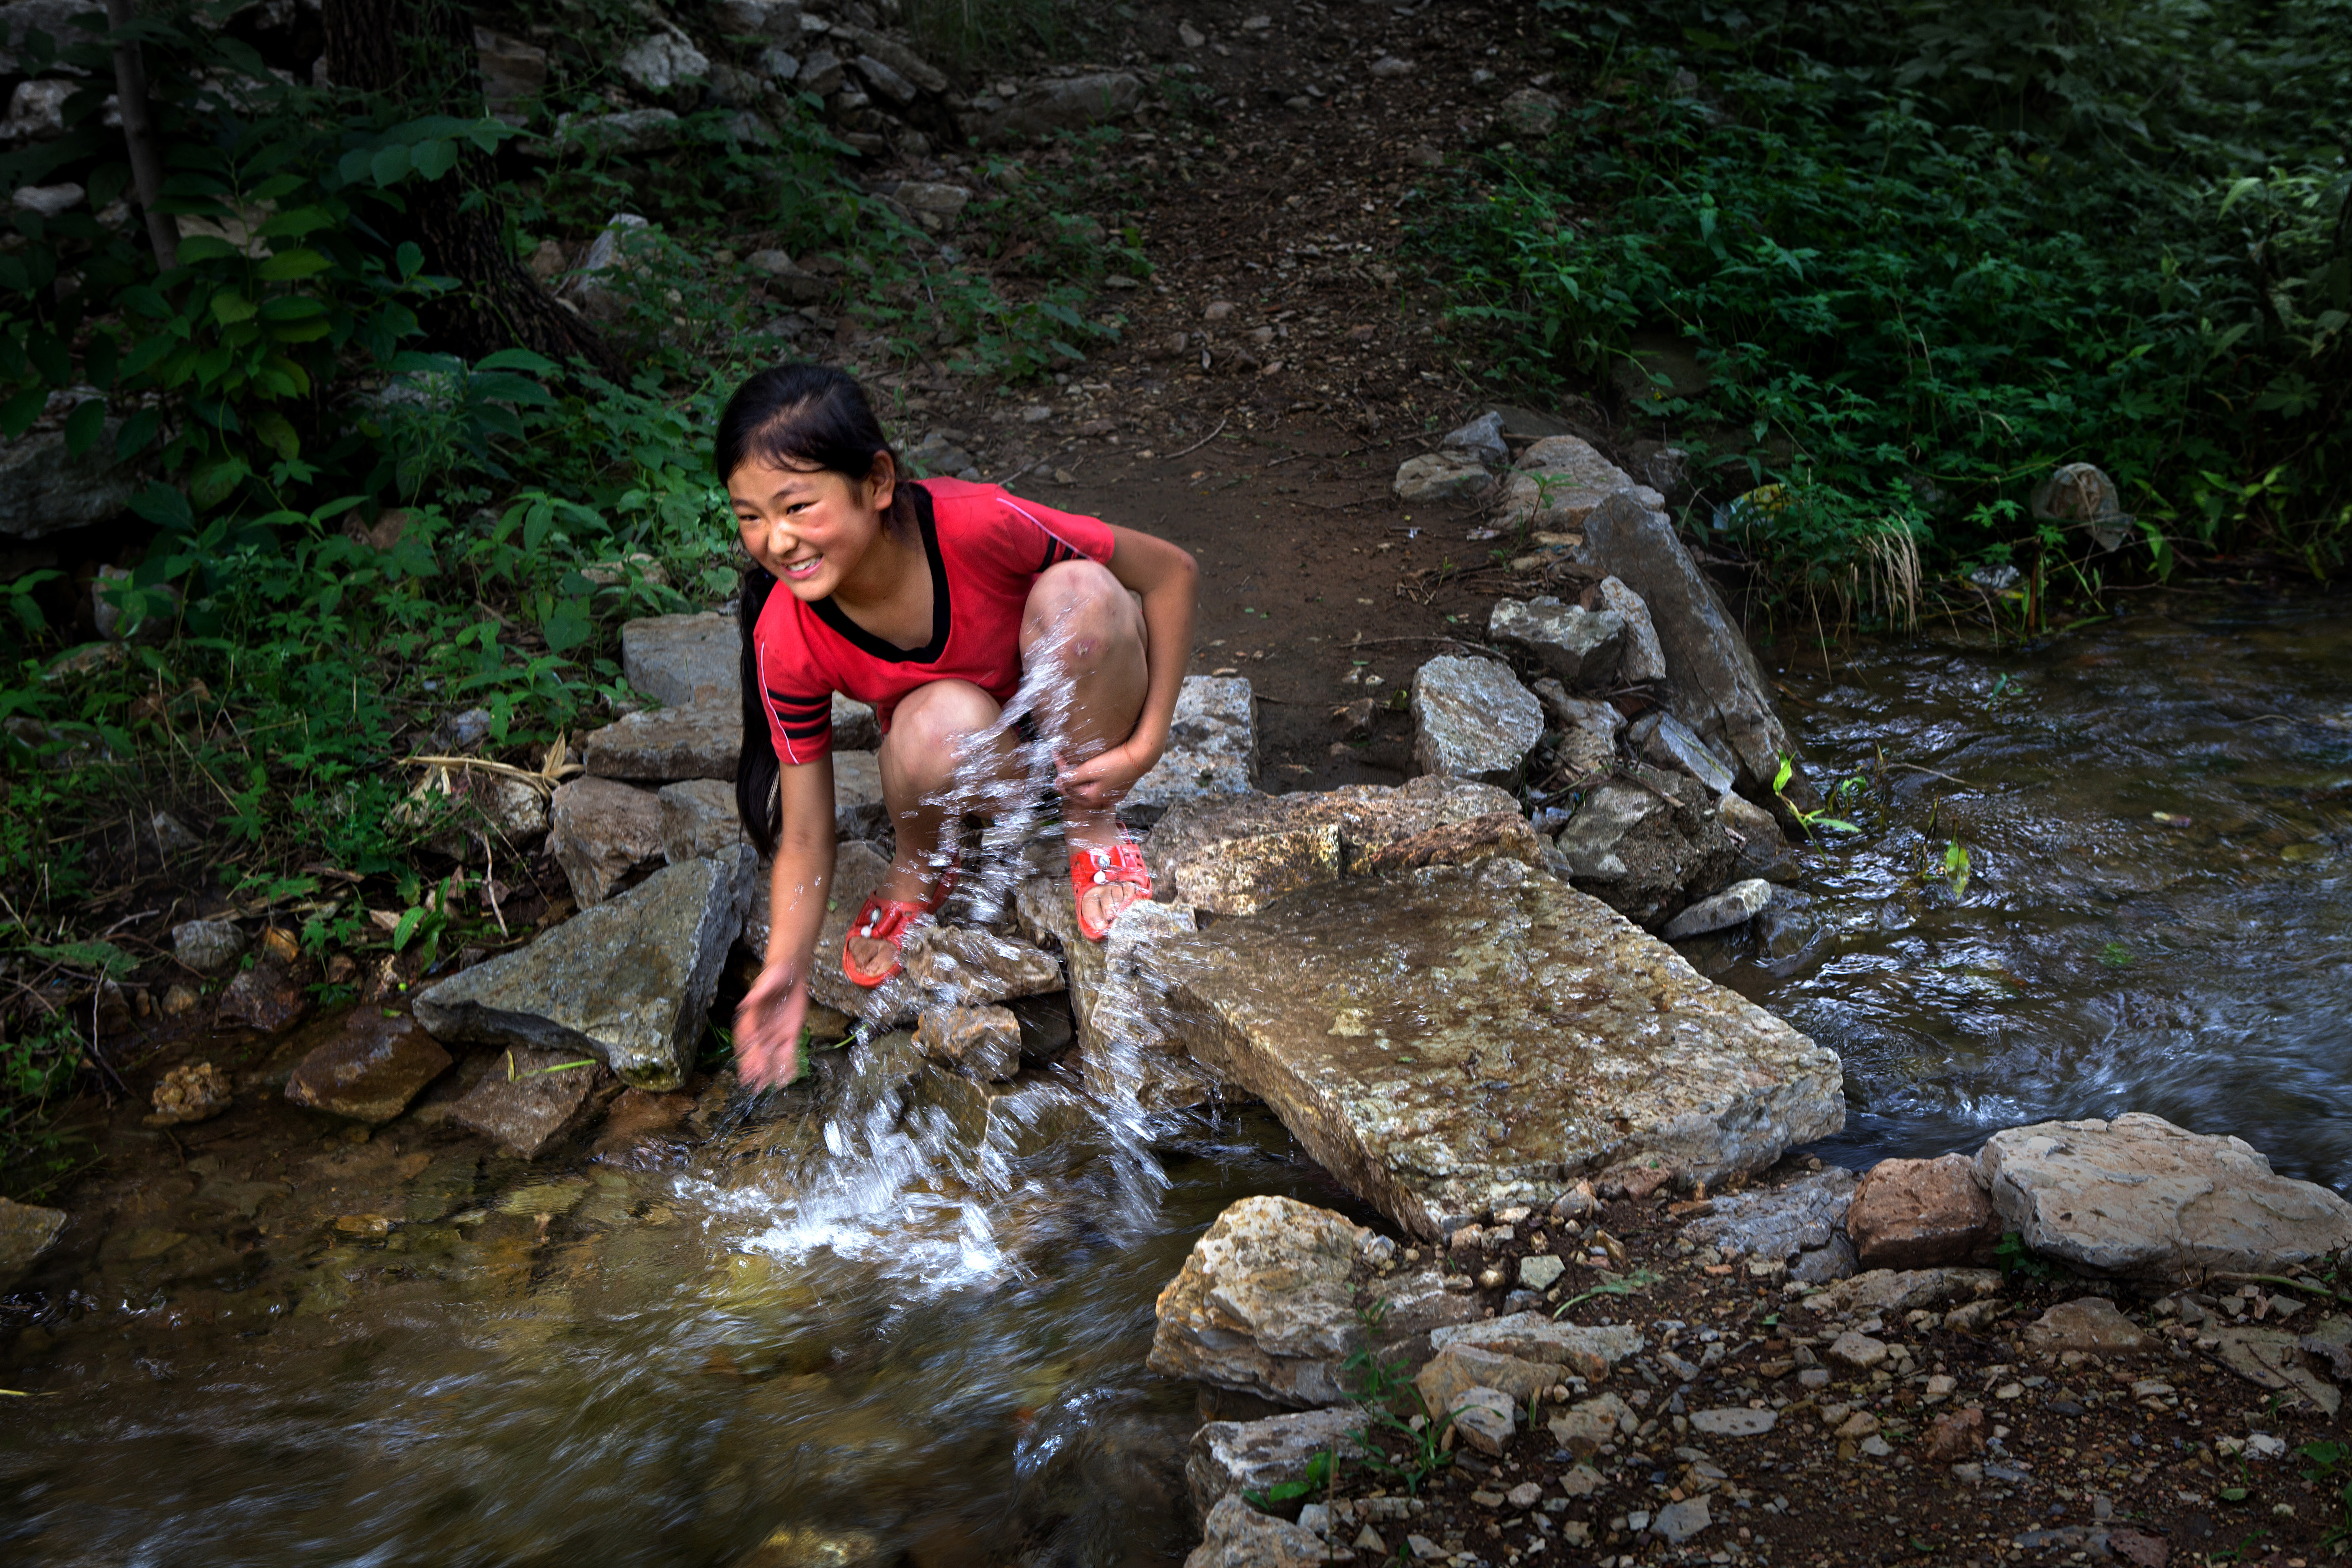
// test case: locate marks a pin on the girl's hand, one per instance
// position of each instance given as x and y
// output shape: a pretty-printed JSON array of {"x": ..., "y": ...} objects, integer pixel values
[
  {"x": 767, "y": 1026},
  {"x": 1099, "y": 782}
]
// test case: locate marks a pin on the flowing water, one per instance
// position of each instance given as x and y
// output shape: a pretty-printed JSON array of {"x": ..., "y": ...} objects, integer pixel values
[{"x": 859, "y": 1336}]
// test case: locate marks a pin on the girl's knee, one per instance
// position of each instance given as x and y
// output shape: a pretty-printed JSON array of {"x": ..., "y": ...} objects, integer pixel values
[
  {"x": 932, "y": 727},
  {"x": 1080, "y": 601}
]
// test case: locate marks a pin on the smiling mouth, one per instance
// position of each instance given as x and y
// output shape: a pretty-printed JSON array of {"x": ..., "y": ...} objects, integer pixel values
[{"x": 804, "y": 567}]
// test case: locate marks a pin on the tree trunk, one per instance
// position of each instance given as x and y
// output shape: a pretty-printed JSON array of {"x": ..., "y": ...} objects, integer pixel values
[
  {"x": 139, "y": 138},
  {"x": 422, "y": 52}
]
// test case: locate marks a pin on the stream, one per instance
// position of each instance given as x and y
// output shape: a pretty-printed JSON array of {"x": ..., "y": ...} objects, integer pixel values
[{"x": 869, "y": 1356}]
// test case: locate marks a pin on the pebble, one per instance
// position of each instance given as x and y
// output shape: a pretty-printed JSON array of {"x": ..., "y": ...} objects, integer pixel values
[
  {"x": 1859, "y": 1352},
  {"x": 1734, "y": 1422},
  {"x": 1527, "y": 1494},
  {"x": 1540, "y": 1271},
  {"x": 1035, "y": 414}
]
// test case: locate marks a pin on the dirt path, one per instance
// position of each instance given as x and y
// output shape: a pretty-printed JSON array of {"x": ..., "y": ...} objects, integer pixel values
[{"x": 1283, "y": 362}]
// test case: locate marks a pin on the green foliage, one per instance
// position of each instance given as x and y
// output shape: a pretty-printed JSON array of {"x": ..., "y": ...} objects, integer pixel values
[
  {"x": 2018, "y": 1260},
  {"x": 2327, "y": 1464},
  {"x": 1423, "y": 1455},
  {"x": 1925, "y": 254},
  {"x": 1319, "y": 1471}
]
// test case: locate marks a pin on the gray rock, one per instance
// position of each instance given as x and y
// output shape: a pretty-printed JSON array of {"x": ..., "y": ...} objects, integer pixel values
[
  {"x": 859, "y": 810},
  {"x": 369, "y": 1069},
  {"x": 22, "y": 17},
  {"x": 25, "y": 1232},
  {"x": 939, "y": 453},
  {"x": 1557, "y": 482},
  {"x": 1483, "y": 437},
  {"x": 681, "y": 660},
  {"x": 1485, "y": 1418},
  {"x": 265, "y": 998},
  {"x": 1734, "y": 1422},
  {"x": 1577, "y": 647},
  {"x": 1473, "y": 719},
  {"x": 1565, "y": 712},
  {"x": 1647, "y": 847},
  {"x": 1264, "y": 1304},
  {"x": 1735, "y": 905},
  {"x": 785, "y": 276},
  {"x": 821, "y": 74},
  {"x": 1212, "y": 749},
  {"x": 1113, "y": 1001},
  {"x": 1774, "y": 1224},
  {"x": 979, "y": 1042},
  {"x": 2141, "y": 1197},
  {"x": 1714, "y": 683},
  {"x": 901, "y": 60},
  {"x": 661, "y": 62},
  {"x": 1644, "y": 660},
  {"x": 531, "y": 1100},
  {"x": 1825, "y": 1264},
  {"x": 1236, "y": 1535},
  {"x": 1587, "y": 1350},
  {"x": 43, "y": 490},
  {"x": 885, "y": 82},
  {"x": 1064, "y": 103},
  {"x": 698, "y": 819},
  {"x": 1528, "y": 114},
  {"x": 602, "y": 833},
  {"x": 1669, "y": 742},
  {"x": 1678, "y": 1521},
  {"x": 629, "y": 981},
  {"x": 977, "y": 966},
  {"x": 208, "y": 946},
  {"x": 1441, "y": 476},
  {"x": 512, "y": 71},
  {"x": 1230, "y": 1457},
  {"x": 1885, "y": 1290},
  {"x": 759, "y": 18},
  {"x": 701, "y": 741},
  {"x": 1458, "y": 1040}
]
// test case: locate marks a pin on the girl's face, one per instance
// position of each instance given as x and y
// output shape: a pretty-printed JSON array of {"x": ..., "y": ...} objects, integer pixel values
[{"x": 810, "y": 527}]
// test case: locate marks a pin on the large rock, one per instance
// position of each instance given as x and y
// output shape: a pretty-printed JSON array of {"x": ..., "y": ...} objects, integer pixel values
[
  {"x": 1064, "y": 103},
  {"x": 701, "y": 740},
  {"x": 1918, "y": 1214},
  {"x": 629, "y": 981},
  {"x": 25, "y": 1232},
  {"x": 1267, "y": 1302},
  {"x": 1557, "y": 481},
  {"x": 1236, "y": 1535},
  {"x": 859, "y": 808},
  {"x": 529, "y": 1101},
  {"x": 1212, "y": 749},
  {"x": 1714, "y": 683},
  {"x": 1456, "y": 1040},
  {"x": 1441, "y": 476},
  {"x": 698, "y": 819},
  {"x": 1473, "y": 719},
  {"x": 369, "y": 1069},
  {"x": 1232, "y": 858},
  {"x": 1017, "y": 1119},
  {"x": 661, "y": 62},
  {"x": 974, "y": 967},
  {"x": 1645, "y": 661},
  {"x": 1230, "y": 1457},
  {"x": 602, "y": 833},
  {"x": 1579, "y": 647},
  {"x": 680, "y": 660},
  {"x": 1647, "y": 845},
  {"x": 1669, "y": 742},
  {"x": 1115, "y": 998},
  {"x": 43, "y": 490},
  {"x": 2139, "y": 1196}
]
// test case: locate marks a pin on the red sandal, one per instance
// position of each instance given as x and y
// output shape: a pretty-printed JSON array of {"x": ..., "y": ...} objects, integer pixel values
[
  {"x": 887, "y": 920},
  {"x": 1094, "y": 868}
]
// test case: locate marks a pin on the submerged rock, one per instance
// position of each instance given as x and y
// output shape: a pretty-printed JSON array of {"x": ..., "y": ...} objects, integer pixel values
[
  {"x": 978, "y": 966},
  {"x": 1266, "y": 1303},
  {"x": 1473, "y": 719},
  {"x": 25, "y": 1232},
  {"x": 531, "y": 1100},
  {"x": 369, "y": 1069},
  {"x": 1457, "y": 1040},
  {"x": 629, "y": 981},
  {"x": 978, "y": 1041},
  {"x": 1230, "y": 1457},
  {"x": 2142, "y": 1197}
]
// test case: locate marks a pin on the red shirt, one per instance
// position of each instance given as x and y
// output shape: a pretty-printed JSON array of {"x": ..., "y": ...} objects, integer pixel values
[{"x": 986, "y": 547}]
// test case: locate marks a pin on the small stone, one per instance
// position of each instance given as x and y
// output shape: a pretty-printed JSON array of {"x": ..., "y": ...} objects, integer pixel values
[
  {"x": 974, "y": 966},
  {"x": 1540, "y": 1271},
  {"x": 1678, "y": 1521},
  {"x": 1734, "y": 1422},
  {"x": 1858, "y": 1426},
  {"x": 178, "y": 1000},
  {"x": 1439, "y": 476},
  {"x": 25, "y": 1232},
  {"x": 1387, "y": 68},
  {"x": 208, "y": 946},
  {"x": 657, "y": 63},
  {"x": 1735, "y": 905},
  {"x": 1577, "y": 645},
  {"x": 265, "y": 998},
  {"x": 1529, "y": 114},
  {"x": 1859, "y": 1352},
  {"x": 1813, "y": 1377},
  {"x": 980, "y": 1042},
  {"x": 195, "y": 1092},
  {"x": 1955, "y": 1436},
  {"x": 1232, "y": 1456},
  {"x": 2091, "y": 1326},
  {"x": 1485, "y": 1418},
  {"x": 1876, "y": 1447},
  {"x": 1526, "y": 1495},
  {"x": 529, "y": 1100},
  {"x": 1483, "y": 437}
]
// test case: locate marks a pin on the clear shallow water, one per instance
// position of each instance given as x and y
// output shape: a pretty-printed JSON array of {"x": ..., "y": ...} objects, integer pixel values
[{"x": 891, "y": 1355}]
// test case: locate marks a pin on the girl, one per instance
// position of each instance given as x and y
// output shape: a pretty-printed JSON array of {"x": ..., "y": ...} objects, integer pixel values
[{"x": 927, "y": 600}]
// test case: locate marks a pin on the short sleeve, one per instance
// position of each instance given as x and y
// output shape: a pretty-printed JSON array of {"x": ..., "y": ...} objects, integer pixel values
[
  {"x": 799, "y": 702},
  {"x": 1038, "y": 536},
  {"x": 800, "y": 725}
]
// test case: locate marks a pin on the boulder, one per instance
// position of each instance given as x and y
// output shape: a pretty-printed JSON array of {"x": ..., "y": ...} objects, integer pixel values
[
  {"x": 1212, "y": 749},
  {"x": 529, "y": 1101},
  {"x": 971, "y": 966},
  {"x": 1236, "y": 1535},
  {"x": 978, "y": 1041},
  {"x": 1777, "y": 1223},
  {"x": 208, "y": 946},
  {"x": 1113, "y": 996},
  {"x": 2091, "y": 1325},
  {"x": 1441, "y": 476},
  {"x": 698, "y": 819},
  {"x": 1266, "y": 1303},
  {"x": 629, "y": 981},
  {"x": 701, "y": 740},
  {"x": 1714, "y": 683},
  {"x": 1456, "y": 1040},
  {"x": 1647, "y": 845},
  {"x": 2139, "y": 1196},
  {"x": 1483, "y": 437},
  {"x": 1918, "y": 1214},
  {"x": 681, "y": 660},
  {"x": 1504, "y": 834},
  {"x": 368, "y": 1068},
  {"x": 1577, "y": 645},
  {"x": 45, "y": 491},
  {"x": 601, "y": 833},
  {"x": 1062, "y": 103},
  {"x": 1230, "y": 1457},
  {"x": 661, "y": 62},
  {"x": 1669, "y": 742},
  {"x": 1473, "y": 719},
  {"x": 1557, "y": 481},
  {"x": 1232, "y": 858},
  {"x": 1735, "y": 905},
  {"x": 1645, "y": 661},
  {"x": 25, "y": 1232}
]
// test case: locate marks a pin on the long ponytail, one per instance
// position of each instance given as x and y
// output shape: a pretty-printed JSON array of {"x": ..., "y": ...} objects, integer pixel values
[{"x": 757, "y": 770}]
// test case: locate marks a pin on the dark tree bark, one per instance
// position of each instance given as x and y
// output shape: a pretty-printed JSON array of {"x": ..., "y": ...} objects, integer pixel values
[
  {"x": 139, "y": 138},
  {"x": 422, "y": 52}
]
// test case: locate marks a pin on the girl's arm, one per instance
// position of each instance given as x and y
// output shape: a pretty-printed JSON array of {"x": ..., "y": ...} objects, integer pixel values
[
  {"x": 1170, "y": 581},
  {"x": 768, "y": 1023}
]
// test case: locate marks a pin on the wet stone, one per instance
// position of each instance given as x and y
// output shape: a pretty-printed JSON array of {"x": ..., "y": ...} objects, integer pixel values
[
  {"x": 629, "y": 981},
  {"x": 25, "y": 1232},
  {"x": 1232, "y": 1456},
  {"x": 1212, "y": 749},
  {"x": 369, "y": 1067},
  {"x": 978, "y": 1041},
  {"x": 266, "y": 998},
  {"x": 1735, "y": 905},
  {"x": 1451, "y": 1041},
  {"x": 701, "y": 740},
  {"x": 1473, "y": 719},
  {"x": 1264, "y": 1304},
  {"x": 602, "y": 833},
  {"x": 208, "y": 946},
  {"x": 1576, "y": 646},
  {"x": 1670, "y": 744},
  {"x": 1113, "y": 997},
  {"x": 974, "y": 966},
  {"x": 529, "y": 1100}
]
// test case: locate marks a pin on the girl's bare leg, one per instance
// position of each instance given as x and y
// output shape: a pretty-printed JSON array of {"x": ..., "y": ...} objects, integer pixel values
[
  {"x": 1083, "y": 624},
  {"x": 930, "y": 735}
]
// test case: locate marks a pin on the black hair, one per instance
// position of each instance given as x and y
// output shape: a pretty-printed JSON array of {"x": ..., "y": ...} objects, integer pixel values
[{"x": 812, "y": 417}]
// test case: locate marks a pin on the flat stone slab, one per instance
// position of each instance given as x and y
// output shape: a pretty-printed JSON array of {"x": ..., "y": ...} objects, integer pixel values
[
  {"x": 1212, "y": 749},
  {"x": 529, "y": 1100},
  {"x": 1472, "y": 719},
  {"x": 1776, "y": 1223},
  {"x": 1453, "y": 1041},
  {"x": 369, "y": 1069},
  {"x": 699, "y": 740},
  {"x": 1230, "y": 1456},
  {"x": 2142, "y": 1197},
  {"x": 1734, "y": 1423},
  {"x": 629, "y": 981},
  {"x": 682, "y": 660}
]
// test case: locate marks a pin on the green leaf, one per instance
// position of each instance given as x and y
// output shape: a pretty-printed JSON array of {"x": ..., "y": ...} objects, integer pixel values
[
  {"x": 293, "y": 266},
  {"x": 1781, "y": 780},
  {"x": 16, "y": 415},
  {"x": 84, "y": 426},
  {"x": 389, "y": 165},
  {"x": 433, "y": 159},
  {"x": 522, "y": 360},
  {"x": 567, "y": 626},
  {"x": 409, "y": 921},
  {"x": 205, "y": 247},
  {"x": 231, "y": 307}
]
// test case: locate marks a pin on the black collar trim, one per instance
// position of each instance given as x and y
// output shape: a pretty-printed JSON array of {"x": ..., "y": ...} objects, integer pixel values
[{"x": 866, "y": 642}]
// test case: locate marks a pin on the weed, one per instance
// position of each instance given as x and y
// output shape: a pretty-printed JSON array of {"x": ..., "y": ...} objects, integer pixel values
[
  {"x": 1422, "y": 1438},
  {"x": 2017, "y": 1260},
  {"x": 1320, "y": 1473},
  {"x": 1639, "y": 1279},
  {"x": 1810, "y": 819},
  {"x": 2328, "y": 1464}
]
